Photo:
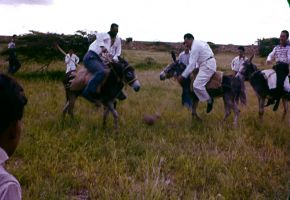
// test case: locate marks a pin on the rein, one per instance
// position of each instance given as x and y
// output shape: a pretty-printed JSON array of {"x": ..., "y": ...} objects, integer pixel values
[{"x": 123, "y": 70}]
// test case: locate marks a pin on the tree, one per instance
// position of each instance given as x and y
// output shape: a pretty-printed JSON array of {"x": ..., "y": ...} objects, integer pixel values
[
  {"x": 40, "y": 47},
  {"x": 266, "y": 45}
]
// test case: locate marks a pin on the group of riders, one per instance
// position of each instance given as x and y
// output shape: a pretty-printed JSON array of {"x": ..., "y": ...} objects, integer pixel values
[{"x": 196, "y": 55}]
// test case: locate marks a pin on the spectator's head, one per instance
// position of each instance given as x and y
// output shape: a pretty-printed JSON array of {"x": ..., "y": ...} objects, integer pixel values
[
  {"x": 114, "y": 30},
  {"x": 12, "y": 104},
  {"x": 186, "y": 49},
  {"x": 71, "y": 51},
  {"x": 284, "y": 36},
  {"x": 241, "y": 50},
  {"x": 13, "y": 37},
  {"x": 188, "y": 39}
]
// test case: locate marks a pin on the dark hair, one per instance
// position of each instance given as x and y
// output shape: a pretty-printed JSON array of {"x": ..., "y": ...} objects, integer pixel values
[
  {"x": 241, "y": 48},
  {"x": 286, "y": 32},
  {"x": 14, "y": 36},
  {"x": 188, "y": 36},
  {"x": 114, "y": 25},
  {"x": 12, "y": 101}
]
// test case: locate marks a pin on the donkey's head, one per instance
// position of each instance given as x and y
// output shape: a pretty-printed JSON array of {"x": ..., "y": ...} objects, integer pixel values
[
  {"x": 172, "y": 70},
  {"x": 247, "y": 69},
  {"x": 127, "y": 74}
]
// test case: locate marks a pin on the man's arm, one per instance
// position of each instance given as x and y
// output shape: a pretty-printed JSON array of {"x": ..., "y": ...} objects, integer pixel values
[
  {"x": 67, "y": 59},
  {"x": 118, "y": 50},
  {"x": 192, "y": 63},
  {"x": 77, "y": 59},
  {"x": 271, "y": 57}
]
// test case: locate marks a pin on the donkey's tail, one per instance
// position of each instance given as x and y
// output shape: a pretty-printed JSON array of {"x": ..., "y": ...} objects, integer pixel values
[{"x": 238, "y": 87}]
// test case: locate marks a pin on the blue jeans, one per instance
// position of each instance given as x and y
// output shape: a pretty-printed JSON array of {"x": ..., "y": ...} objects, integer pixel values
[
  {"x": 185, "y": 97},
  {"x": 94, "y": 65}
]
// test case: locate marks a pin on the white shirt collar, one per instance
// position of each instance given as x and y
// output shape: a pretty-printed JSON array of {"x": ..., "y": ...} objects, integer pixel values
[{"x": 3, "y": 156}]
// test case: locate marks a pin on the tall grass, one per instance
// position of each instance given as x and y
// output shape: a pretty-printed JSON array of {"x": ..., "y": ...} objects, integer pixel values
[{"x": 176, "y": 158}]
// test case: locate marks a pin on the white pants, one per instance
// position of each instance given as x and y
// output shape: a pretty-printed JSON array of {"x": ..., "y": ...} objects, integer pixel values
[
  {"x": 206, "y": 70},
  {"x": 287, "y": 84}
]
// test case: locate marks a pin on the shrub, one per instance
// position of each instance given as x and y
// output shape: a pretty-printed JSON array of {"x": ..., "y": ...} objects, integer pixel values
[{"x": 266, "y": 45}]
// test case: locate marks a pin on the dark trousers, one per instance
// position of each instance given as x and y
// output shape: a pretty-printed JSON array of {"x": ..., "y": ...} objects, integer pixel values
[
  {"x": 94, "y": 65},
  {"x": 185, "y": 97}
]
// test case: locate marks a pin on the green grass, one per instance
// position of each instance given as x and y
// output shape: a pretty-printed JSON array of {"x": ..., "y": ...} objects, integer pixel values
[{"x": 176, "y": 158}]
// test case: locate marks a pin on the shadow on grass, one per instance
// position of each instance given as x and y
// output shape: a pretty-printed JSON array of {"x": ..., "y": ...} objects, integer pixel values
[{"x": 46, "y": 75}]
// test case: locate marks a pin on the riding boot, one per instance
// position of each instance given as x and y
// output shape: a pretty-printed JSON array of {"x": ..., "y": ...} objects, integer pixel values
[{"x": 209, "y": 105}]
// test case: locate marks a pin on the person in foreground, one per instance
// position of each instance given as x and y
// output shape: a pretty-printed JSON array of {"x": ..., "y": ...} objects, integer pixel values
[
  {"x": 12, "y": 104},
  {"x": 202, "y": 56}
]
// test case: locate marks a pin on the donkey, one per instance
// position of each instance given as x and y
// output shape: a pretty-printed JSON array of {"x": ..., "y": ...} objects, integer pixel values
[
  {"x": 118, "y": 75},
  {"x": 231, "y": 90},
  {"x": 258, "y": 81}
]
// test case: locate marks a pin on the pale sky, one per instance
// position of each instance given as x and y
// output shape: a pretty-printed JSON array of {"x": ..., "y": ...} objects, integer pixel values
[{"x": 239, "y": 22}]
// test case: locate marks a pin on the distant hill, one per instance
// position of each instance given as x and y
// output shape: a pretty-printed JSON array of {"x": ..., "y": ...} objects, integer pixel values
[{"x": 168, "y": 46}]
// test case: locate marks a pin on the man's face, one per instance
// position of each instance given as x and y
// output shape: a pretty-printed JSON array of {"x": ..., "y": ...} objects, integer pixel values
[
  {"x": 283, "y": 38},
  {"x": 188, "y": 43},
  {"x": 114, "y": 30},
  {"x": 241, "y": 53},
  {"x": 186, "y": 49},
  {"x": 15, "y": 137}
]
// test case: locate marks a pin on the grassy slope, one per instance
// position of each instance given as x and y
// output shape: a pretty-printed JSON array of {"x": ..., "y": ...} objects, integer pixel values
[{"x": 177, "y": 157}]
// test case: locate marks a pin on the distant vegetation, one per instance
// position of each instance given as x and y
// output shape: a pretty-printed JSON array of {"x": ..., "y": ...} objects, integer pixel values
[{"x": 266, "y": 45}]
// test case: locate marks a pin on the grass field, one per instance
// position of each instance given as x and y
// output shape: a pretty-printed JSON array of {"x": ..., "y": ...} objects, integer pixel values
[{"x": 176, "y": 158}]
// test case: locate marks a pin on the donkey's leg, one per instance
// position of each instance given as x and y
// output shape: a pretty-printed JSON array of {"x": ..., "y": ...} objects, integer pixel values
[
  {"x": 227, "y": 106},
  {"x": 285, "y": 108},
  {"x": 115, "y": 114},
  {"x": 261, "y": 101},
  {"x": 193, "y": 111},
  {"x": 105, "y": 116},
  {"x": 237, "y": 113},
  {"x": 65, "y": 109}
]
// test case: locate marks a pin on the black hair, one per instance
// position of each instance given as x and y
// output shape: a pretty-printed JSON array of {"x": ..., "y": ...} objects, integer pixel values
[
  {"x": 241, "y": 48},
  {"x": 188, "y": 36},
  {"x": 286, "y": 32},
  {"x": 12, "y": 101},
  {"x": 114, "y": 25}
]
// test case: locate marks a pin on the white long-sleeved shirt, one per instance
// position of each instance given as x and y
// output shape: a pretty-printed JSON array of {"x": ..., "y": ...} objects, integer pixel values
[
  {"x": 71, "y": 61},
  {"x": 9, "y": 186},
  {"x": 280, "y": 54},
  {"x": 104, "y": 39},
  {"x": 11, "y": 45},
  {"x": 116, "y": 48},
  {"x": 184, "y": 58},
  {"x": 200, "y": 52},
  {"x": 237, "y": 62}
]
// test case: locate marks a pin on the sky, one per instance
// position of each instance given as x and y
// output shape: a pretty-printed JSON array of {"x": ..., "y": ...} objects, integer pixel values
[{"x": 239, "y": 22}]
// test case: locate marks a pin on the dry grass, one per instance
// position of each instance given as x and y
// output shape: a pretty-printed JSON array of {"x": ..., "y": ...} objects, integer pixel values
[{"x": 177, "y": 158}]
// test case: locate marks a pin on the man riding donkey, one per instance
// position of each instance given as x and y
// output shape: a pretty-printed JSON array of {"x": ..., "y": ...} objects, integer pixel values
[
  {"x": 202, "y": 56},
  {"x": 108, "y": 44},
  {"x": 281, "y": 55}
]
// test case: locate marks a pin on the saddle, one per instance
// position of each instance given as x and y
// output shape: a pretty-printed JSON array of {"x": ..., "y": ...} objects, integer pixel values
[
  {"x": 82, "y": 77},
  {"x": 215, "y": 81}
]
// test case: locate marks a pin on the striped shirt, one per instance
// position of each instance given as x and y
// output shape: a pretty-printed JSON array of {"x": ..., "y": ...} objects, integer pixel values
[
  {"x": 9, "y": 187},
  {"x": 280, "y": 54}
]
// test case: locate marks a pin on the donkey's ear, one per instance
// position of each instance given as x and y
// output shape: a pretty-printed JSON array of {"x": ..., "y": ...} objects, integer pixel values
[
  {"x": 251, "y": 58},
  {"x": 173, "y": 56}
]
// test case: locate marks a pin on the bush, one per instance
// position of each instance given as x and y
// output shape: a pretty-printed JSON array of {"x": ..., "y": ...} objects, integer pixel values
[{"x": 266, "y": 45}]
